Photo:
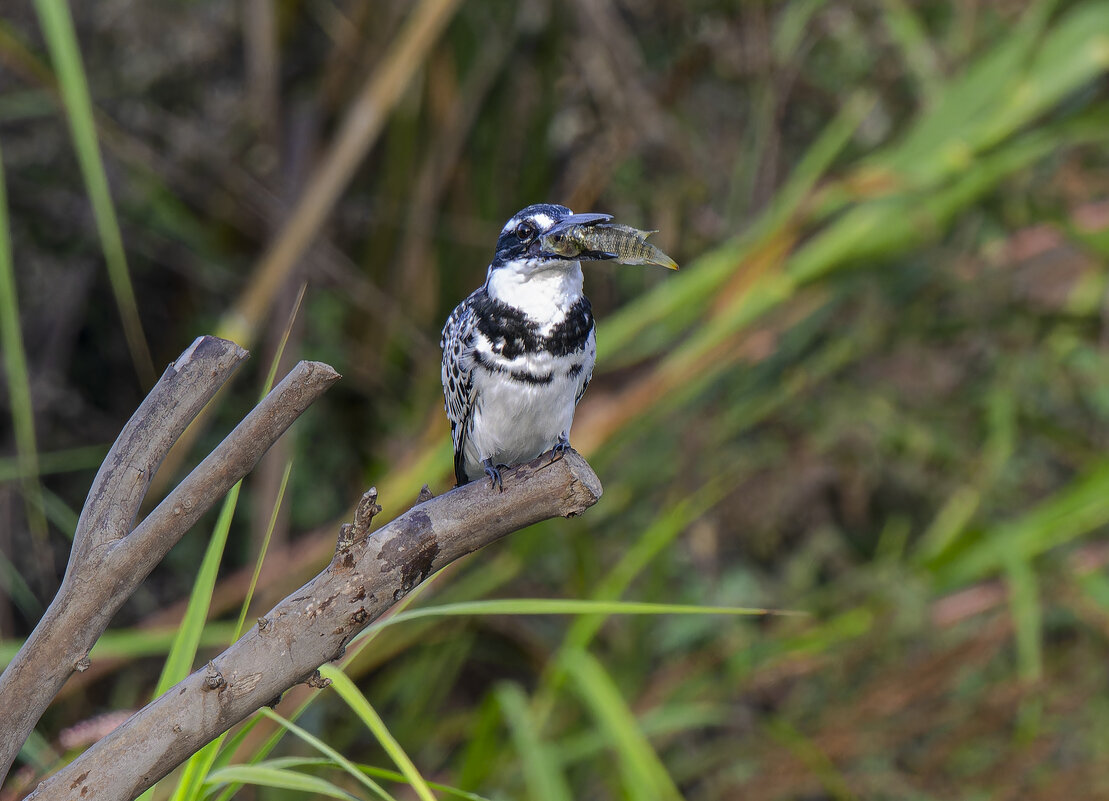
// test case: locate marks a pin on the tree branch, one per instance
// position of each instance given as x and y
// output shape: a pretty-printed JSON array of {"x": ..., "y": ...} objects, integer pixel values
[
  {"x": 107, "y": 563},
  {"x": 367, "y": 575}
]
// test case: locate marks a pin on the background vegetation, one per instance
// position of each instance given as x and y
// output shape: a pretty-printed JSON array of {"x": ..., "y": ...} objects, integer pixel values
[{"x": 878, "y": 391}]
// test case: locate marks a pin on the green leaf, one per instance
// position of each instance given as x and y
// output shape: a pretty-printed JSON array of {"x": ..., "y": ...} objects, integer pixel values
[
  {"x": 1076, "y": 509},
  {"x": 368, "y": 715},
  {"x": 179, "y": 663},
  {"x": 57, "y": 30},
  {"x": 19, "y": 382},
  {"x": 132, "y": 643},
  {"x": 266, "y": 776},
  {"x": 644, "y": 775},
  {"x": 369, "y": 770},
  {"x": 568, "y": 606},
  {"x": 336, "y": 758},
  {"x": 542, "y": 772}
]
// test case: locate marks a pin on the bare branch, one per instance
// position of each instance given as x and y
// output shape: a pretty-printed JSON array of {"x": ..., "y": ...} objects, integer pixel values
[
  {"x": 314, "y": 624},
  {"x": 121, "y": 483},
  {"x": 232, "y": 459},
  {"x": 59, "y": 644},
  {"x": 107, "y": 564}
]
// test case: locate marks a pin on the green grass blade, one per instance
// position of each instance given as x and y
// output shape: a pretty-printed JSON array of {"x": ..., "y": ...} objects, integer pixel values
[
  {"x": 919, "y": 56},
  {"x": 1076, "y": 509},
  {"x": 70, "y": 460},
  {"x": 659, "y": 535},
  {"x": 179, "y": 663},
  {"x": 569, "y": 606},
  {"x": 818, "y": 762},
  {"x": 368, "y": 715},
  {"x": 16, "y": 588},
  {"x": 680, "y": 302},
  {"x": 191, "y": 785},
  {"x": 266, "y": 776},
  {"x": 1027, "y": 613},
  {"x": 790, "y": 27},
  {"x": 643, "y": 773},
  {"x": 946, "y": 134},
  {"x": 335, "y": 757},
  {"x": 484, "y": 745},
  {"x": 37, "y": 751},
  {"x": 595, "y": 611},
  {"x": 956, "y": 513},
  {"x": 369, "y": 770},
  {"x": 394, "y": 776},
  {"x": 542, "y": 772},
  {"x": 58, "y": 512},
  {"x": 19, "y": 382},
  {"x": 57, "y": 30},
  {"x": 1074, "y": 52},
  {"x": 196, "y": 770},
  {"x": 949, "y": 523},
  {"x": 665, "y": 720},
  {"x": 265, "y": 547},
  {"x": 134, "y": 643},
  {"x": 874, "y": 230},
  {"x": 271, "y": 742}
]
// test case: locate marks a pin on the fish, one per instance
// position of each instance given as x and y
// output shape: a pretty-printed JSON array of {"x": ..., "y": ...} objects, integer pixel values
[{"x": 606, "y": 241}]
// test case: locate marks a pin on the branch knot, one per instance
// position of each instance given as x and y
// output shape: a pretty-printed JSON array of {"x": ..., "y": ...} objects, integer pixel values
[
  {"x": 351, "y": 533},
  {"x": 213, "y": 679}
]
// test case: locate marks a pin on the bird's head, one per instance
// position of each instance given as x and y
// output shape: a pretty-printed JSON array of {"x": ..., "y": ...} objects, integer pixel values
[{"x": 520, "y": 246}]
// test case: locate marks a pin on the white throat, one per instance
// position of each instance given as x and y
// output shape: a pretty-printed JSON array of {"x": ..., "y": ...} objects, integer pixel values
[{"x": 544, "y": 295}]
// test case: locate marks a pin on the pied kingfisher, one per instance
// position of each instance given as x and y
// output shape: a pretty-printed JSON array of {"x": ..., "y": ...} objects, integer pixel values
[{"x": 518, "y": 353}]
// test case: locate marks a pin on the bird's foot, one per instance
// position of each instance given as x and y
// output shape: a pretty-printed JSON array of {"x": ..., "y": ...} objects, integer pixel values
[
  {"x": 494, "y": 473},
  {"x": 560, "y": 448}
]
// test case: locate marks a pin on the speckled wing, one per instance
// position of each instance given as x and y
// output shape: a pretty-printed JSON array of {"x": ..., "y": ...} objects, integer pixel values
[
  {"x": 584, "y": 385},
  {"x": 457, "y": 343}
]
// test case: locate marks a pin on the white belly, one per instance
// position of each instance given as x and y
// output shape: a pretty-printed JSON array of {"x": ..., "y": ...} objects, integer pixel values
[{"x": 515, "y": 421}]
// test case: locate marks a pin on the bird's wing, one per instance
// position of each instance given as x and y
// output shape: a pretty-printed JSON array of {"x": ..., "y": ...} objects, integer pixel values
[
  {"x": 584, "y": 386},
  {"x": 590, "y": 360},
  {"x": 457, "y": 343}
]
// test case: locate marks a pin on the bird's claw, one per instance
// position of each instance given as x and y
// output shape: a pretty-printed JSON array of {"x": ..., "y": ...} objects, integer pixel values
[
  {"x": 493, "y": 471},
  {"x": 559, "y": 449}
]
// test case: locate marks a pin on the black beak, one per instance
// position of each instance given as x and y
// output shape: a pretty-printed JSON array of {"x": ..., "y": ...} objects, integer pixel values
[{"x": 579, "y": 219}]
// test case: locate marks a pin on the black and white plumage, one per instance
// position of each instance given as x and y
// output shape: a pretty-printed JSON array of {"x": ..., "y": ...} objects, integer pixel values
[{"x": 518, "y": 353}]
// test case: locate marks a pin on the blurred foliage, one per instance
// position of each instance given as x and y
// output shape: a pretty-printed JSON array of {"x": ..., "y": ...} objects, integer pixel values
[{"x": 878, "y": 391}]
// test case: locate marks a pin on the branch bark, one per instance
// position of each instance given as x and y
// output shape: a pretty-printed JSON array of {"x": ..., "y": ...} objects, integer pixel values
[
  {"x": 313, "y": 625},
  {"x": 109, "y": 560}
]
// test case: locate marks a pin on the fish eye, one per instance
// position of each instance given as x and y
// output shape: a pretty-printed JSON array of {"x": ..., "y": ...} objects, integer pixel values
[{"x": 525, "y": 231}]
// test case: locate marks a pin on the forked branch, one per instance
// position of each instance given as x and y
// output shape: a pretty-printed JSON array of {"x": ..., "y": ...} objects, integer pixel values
[
  {"x": 110, "y": 556},
  {"x": 368, "y": 574}
]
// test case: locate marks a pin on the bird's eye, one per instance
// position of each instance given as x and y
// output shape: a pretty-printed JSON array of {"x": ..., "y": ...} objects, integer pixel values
[{"x": 525, "y": 231}]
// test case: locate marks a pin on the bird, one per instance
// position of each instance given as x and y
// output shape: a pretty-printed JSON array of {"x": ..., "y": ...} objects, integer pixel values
[{"x": 518, "y": 353}]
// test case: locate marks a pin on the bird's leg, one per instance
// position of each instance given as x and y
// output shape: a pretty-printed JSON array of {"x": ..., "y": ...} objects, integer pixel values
[{"x": 494, "y": 473}]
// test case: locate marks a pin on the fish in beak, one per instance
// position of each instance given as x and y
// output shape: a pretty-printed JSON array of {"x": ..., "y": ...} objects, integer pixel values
[{"x": 591, "y": 237}]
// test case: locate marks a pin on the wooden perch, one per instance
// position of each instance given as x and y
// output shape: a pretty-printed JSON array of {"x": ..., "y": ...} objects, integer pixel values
[
  {"x": 110, "y": 556},
  {"x": 368, "y": 574}
]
